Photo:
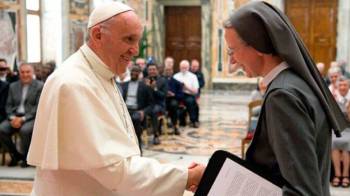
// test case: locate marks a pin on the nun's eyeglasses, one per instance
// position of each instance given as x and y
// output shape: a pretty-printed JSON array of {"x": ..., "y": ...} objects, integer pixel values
[{"x": 231, "y": 51}]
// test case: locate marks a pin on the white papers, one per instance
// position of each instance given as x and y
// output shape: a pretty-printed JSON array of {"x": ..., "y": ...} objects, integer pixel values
[{"x": 234, "y": 179}]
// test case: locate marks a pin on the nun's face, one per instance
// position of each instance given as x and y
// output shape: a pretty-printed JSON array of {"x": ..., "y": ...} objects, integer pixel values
[{"x": 242, "y": 55}]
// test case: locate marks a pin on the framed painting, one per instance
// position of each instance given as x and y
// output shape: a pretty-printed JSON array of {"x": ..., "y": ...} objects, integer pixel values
[
  {"x": 78, "y": 34},
  {"x": 9, "y": 36},
  {"x": 79, "y": 7}
]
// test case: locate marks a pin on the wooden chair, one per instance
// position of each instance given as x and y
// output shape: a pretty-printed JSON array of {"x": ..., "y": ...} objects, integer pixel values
[
  {"x": 3, "y": 151},
  {"x": 3, "y": 155},
  {"x": 246, "y": 140}
]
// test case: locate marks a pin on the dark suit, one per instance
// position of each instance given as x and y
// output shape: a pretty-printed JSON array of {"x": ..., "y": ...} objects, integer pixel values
[
  {"x": 201, "y": 81},
  {"x": 4, "y": 87},
  {"x": 292, "y": 141},
  {"x": 144, "y": 101},
  {"x": 12, "y": 104},
  {"x": 159, "y": 94},
  {"x": 172, "y": 102},
  {"x": 144, "y": 96}
]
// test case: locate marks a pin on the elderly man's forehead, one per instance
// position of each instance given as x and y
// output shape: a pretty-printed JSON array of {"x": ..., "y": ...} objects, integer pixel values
[
  {"x": 3, "y": 64},
  {"x": 26, "y": 66},
  {"x": 184, "y": 64}
]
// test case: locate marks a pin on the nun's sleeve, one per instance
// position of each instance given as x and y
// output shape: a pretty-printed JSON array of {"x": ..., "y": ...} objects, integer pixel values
[{"x": 291, "y": 134}]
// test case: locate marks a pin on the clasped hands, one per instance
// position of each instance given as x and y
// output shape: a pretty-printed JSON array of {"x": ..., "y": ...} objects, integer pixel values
[
  {"x": 16, "y": 122},
  {"x": 195, "y": 173}
]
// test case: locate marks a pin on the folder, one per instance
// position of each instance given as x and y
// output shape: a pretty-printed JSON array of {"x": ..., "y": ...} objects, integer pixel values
[{"x": 229, "y": 175}]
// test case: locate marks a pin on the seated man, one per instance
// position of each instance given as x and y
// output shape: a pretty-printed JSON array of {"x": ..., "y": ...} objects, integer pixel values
[
  {"x": 174, "y": 95},
  {"x": 4, "y": 87},
  {"x": 21, "y": 106},
  {"x": 191, "y": 86},
  {"x": 142, "y": 63},
  {"x": 138, "y": 99},
  {"x": 159, "y": 89},
  {"x": 6, "y": 74},
  {"x": 196, "y": 70}
]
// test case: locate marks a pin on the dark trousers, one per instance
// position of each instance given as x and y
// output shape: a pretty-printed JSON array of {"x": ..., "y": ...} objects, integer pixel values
[
  {"x": 172, "y": 105},
  {"x": 137, "y": 122},
  {"x": 191, "y": 107},
  {"x": 25, "y": 133},
  {"x": 153, "y": 112}
]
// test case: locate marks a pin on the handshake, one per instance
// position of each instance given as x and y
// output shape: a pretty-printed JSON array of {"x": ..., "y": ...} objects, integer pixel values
[{"x": 195, "y": 173}]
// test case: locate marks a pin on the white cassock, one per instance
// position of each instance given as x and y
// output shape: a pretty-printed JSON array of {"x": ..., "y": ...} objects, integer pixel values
[{"x": 84, "y": 143}]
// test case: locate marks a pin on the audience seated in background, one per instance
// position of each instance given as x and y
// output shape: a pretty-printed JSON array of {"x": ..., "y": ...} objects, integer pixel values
[
  {"x": 142, "y": 63},
  {"x": 138, "y": 99},
  {"x": 196, "y": 70},
  {"x": 125, "y": 77},
  {"x": 341, "y": 146},
  {"x": 333, "y": 75},
  {"x": 168, "y": 61},
  {"x": 341, "y": 64},
  {"x": 257, "y": 94},
  {"x": 48, "y": 69},
  {"x": 5, "y": 73},
  {"x": 320, "y": 67},
  {"x": 4, "y": 87},
  {"x": 21, "y": 106},
  {"x": 3, "y": 70},
  {"x": 174, "y": 95},
  {"x": 190, "y": 89},
  {"x": 159, "y": 89}
]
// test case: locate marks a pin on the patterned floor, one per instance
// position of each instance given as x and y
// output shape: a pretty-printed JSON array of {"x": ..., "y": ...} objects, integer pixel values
[
  {"x": 15, "y": 187},
  {"x": 219, "y": 128},
  {"x": 223, "y": 117}
]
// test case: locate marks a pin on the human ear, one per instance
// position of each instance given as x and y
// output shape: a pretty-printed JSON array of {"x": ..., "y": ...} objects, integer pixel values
[{"x": 96, "y": 33}]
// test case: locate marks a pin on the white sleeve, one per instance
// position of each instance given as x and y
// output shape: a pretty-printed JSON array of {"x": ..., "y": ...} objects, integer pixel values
[
  {"x": 142, "y": 176},
  {"x": 195, "y": 83}
]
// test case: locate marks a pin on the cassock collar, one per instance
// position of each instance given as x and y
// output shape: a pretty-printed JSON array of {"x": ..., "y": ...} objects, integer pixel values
[{"x": 96, "y": 63}]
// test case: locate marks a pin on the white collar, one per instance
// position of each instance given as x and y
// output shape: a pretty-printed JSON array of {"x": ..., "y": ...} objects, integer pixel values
[
  {"x": 274, "y": 72},
  {"x": 96, "y": 63}
]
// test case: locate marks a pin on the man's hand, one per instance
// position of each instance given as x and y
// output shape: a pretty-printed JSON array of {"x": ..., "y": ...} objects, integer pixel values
[
  {"x": 150, "y": 83},
  {"x": 192, "y": 90},
  {"x": 195, "y": 173},
  {"x": 16, "y": 122},
  {"x": 171, "y": 94}
]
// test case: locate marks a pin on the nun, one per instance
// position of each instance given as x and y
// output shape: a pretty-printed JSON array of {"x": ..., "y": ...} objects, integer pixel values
[{"x": 292, "y": 141}]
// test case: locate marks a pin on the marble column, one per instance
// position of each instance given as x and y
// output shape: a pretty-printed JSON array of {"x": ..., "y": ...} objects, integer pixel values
[
  {"x": 51, "y": 31},
  {"x": 206, "y": 40},
  {"x": 343, "y": 29}
]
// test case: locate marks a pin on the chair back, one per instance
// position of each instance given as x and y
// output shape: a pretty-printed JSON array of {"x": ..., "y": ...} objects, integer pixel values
[{"x": 252, "y": 105}]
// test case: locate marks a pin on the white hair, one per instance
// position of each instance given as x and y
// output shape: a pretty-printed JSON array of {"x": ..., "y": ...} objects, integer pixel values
[{"x": 334, "y": 70}]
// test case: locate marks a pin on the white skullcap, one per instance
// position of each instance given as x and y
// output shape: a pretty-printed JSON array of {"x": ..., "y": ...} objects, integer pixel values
[{"x": 106, "y": 11}]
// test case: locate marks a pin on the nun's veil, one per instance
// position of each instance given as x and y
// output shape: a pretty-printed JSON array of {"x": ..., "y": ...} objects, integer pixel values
[{"x": 269, "y": 31}]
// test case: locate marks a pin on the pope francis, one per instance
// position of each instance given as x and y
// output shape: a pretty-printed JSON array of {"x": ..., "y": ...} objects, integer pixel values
[{"x": 83, "y": 142}]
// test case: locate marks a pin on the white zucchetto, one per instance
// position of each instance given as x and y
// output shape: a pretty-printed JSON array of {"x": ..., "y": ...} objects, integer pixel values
[{"x": 106, "y": 11}]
